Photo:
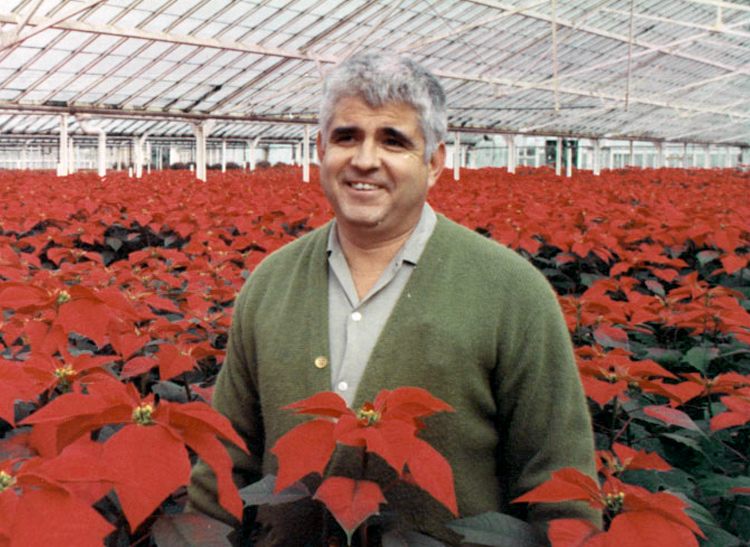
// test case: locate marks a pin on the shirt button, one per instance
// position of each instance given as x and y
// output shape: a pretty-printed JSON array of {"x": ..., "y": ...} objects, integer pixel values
[
  {"x": 356, "y": 316},
  {"x": 343, "y": 386},
  {"x": 321, "y": 362}
]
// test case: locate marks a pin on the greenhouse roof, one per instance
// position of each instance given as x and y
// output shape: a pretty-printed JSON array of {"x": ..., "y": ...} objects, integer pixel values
[{"x": 676, "y": 70}]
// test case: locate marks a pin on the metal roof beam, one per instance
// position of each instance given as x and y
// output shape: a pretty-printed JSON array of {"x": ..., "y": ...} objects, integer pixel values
[
  {"x": 136, "y": 53},
  {"x": 604, "y": 34},
  {"x": 427, "y": 41},
  {"x": 48, "y": 23},
  {"x": 25, "y": 19},
  {"x": 550, "y": 87},
  {"x": 722, "y": 29},
  {"x": 722, "y": 4},
  {"x": 227, "y": 101},
  {"x": 112, "y": 30}
]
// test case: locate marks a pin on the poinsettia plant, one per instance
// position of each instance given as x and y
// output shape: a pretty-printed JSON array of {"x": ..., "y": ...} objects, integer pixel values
[
  {"x": 134, "y": 280},
  {"x": 386, "y": 428},
  {"x": 632, "y": 514}
]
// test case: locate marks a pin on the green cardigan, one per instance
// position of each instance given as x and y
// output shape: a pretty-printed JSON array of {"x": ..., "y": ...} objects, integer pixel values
[{"x": 476, "y": 325}]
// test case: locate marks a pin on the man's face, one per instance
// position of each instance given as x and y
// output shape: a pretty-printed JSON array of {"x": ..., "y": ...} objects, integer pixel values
[{"x": 373, "y": 169}]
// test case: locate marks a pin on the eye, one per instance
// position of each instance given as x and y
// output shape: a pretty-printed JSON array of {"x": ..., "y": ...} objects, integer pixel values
[
  {"x": 342, "y": 136},
  {"x": 395, "y": 139},
  {"x": 339, "y": 139}
]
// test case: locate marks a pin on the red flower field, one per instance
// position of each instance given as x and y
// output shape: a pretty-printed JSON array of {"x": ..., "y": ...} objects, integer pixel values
[{"x": 116, "y": 297}]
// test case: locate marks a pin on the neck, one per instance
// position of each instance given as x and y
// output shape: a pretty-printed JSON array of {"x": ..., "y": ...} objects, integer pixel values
[{"x": 368, "y": 258}]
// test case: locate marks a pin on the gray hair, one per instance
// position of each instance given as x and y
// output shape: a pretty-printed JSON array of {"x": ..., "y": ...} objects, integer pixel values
[{"x": 379, "y": 79}]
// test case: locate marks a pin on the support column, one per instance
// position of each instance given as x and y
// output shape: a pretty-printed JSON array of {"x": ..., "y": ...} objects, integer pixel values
[
  {"x": 223, "y": 155},
  {"x": 201, "y": 132},
  {"x": 71, "y": 156},
  {"x": 728, "y": 158},
  {"x": 631, "y": 159},
  {"x": 83, "y": 122},
  {"x": 684, "y": 156},
  {"x": 597, "y": 163},
  {"x": 138, "y": 158},
  {"x": 23, "y": 161},
  {"x": 253, "y": 145},
  {"x": 707, "y": 158},
  {"x": 457, "y": 156},
  {"x": 306, "y": 154},
  {"x": 102, "y": 160},
  {"x": 558, "y": 156},
  {"x": 659, "y": 155},
  {"x": 511, "y": 142},
  {"x": 569, "y": 160},
  {"x": 174, "y": 156},
  {"x": 138, "y": 143},
  {"x": 62, "y": 164}
]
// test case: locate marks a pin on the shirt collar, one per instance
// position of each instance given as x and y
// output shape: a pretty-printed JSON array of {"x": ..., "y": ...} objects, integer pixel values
[{"x": 412, "y": 249}]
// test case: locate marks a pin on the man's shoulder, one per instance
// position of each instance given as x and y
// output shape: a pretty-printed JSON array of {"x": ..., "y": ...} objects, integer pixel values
[{"x": 484, "y": 262}]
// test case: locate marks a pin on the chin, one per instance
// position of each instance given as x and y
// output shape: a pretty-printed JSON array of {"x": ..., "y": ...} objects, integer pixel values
[{"x": 361, "y": 218}]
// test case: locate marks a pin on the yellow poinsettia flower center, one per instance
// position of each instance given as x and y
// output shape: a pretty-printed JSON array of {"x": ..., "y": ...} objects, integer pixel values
[
  {"x": 618, "y": 467},
  {"x": 615, "y": 502},
  {"x": 64, "y": 375},
  {"x": 368, "y": 415},
  {"x": 6, "y": 481},
  {"x": 62, "y": 297},
  {"x": 142, "y": 414}
]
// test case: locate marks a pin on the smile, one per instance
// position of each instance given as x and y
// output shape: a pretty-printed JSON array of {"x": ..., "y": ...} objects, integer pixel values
[{"x": 363, "y": 186}]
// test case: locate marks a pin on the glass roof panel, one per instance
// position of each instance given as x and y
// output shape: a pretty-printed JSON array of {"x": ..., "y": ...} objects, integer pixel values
[{"x": 688, "y": 63}]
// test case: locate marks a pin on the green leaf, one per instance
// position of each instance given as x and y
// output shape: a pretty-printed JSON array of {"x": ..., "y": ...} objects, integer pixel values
[
  {"x": 699, "y": 357},
  {"x": 191, "y": 530},
  {"x": 671, "y": 416},
  {"x": 716, "y": 536},
  {"x": 704, "y": 257},
  {"x": 719, "y": 485},
  {"x": 665, "y": 357},
  {"x": 675, "y": 480},
  {"x": 686, "y": 441},
  {"x": 497, "y": 530},
  {"x": 261, "y": 492},
  {"x": 113, "y": 243}
]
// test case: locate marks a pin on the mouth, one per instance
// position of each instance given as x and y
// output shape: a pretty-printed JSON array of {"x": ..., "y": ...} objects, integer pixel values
[{"x": 363, "y": 186}]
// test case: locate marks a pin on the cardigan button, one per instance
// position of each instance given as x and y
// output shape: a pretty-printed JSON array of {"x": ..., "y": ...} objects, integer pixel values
[{"x": 321, "y": 362}]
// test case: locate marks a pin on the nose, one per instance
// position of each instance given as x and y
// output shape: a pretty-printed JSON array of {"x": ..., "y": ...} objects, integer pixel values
[{"x": 366, "y": 156}]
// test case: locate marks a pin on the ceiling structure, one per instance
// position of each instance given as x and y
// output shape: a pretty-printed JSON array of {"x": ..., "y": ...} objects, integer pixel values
[{"x": 654, "y": 70}]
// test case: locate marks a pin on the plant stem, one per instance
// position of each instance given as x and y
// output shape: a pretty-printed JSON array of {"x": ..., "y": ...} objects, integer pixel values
[{"x": 615, "y": 412}]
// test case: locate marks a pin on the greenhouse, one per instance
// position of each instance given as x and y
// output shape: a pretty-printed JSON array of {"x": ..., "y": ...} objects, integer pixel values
[
  {"x": 512, "y": 312},
  {"x": 236, "y": 82}
]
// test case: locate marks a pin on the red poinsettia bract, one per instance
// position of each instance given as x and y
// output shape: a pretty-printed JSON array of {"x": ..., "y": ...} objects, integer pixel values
[
  {"x": 28, "y": 493},
  {"x": 388, "y": 427},
  {"x": 635, "y": 516},
  {"x": 148, "y": 455}
]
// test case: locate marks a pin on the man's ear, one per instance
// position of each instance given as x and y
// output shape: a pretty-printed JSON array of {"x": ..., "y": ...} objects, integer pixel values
[
  {"x": 436, "y": 164},
  {"x": 319, "y": 147}
]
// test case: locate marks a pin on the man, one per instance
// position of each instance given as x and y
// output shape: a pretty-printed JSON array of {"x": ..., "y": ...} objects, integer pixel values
[{"x": 390, "y": 294}]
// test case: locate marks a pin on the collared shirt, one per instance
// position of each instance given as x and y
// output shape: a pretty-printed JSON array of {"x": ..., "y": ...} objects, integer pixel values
[{"x": 354, "y": 325}]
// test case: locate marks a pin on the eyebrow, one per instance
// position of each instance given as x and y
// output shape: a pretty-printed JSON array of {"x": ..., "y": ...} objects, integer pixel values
[
  {"x": 345, "y": 131},
  {"x": 388, "y": 131}
]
